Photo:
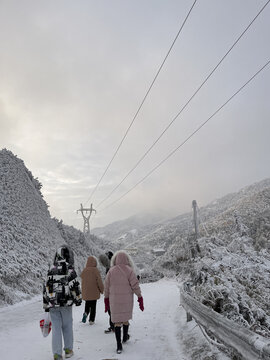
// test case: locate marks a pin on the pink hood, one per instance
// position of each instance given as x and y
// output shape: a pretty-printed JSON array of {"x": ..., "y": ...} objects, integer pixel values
[{"x": 121, "y": 257}]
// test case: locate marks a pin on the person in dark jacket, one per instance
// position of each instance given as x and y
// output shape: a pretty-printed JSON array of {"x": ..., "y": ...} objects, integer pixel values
[
  {"x": 105, "y": 260},
  {"x": 111, "y": 327},
  {"x": 62, "y": 290}
]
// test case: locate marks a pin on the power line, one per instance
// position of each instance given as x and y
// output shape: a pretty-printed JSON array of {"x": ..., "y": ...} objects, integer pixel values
[
  {"x": 143, "y": 101},
  {"x": 186, "y": 104},
  {"x": 190, "y": 136}
]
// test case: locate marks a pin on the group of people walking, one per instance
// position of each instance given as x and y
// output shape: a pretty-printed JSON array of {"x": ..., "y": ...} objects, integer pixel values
[{"x": 62, "y": 289}]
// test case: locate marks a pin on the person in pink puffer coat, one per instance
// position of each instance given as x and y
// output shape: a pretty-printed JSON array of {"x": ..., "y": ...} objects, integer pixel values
[{"x": 120, "y": 284}]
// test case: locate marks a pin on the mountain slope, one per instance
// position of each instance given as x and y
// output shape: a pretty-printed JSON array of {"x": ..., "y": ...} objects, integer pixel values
[
  {"x": 230, "y": 266},
  {"x": 250, "y": 204},
  {"x": 28, "y": 234}
]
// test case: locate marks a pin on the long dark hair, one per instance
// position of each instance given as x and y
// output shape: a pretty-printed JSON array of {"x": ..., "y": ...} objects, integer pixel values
[{"x": 64, "y": 252}]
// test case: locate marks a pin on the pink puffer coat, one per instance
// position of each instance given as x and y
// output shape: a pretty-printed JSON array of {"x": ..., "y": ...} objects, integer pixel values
[
  {"x": 92, "y": 284},
  {"x": 120, "y": 285}
]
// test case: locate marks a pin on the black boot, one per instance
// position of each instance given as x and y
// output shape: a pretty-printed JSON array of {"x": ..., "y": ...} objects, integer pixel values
[
  {"x": 117, "y": 331},
  {"x": 125, "y": 333}
]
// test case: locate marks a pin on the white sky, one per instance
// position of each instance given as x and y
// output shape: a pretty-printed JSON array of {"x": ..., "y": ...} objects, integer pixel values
[{"x": 73, "y": 74}]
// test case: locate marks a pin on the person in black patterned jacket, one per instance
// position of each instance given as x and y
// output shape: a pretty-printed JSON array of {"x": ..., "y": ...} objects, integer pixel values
[{"x": 62, "y": 290}]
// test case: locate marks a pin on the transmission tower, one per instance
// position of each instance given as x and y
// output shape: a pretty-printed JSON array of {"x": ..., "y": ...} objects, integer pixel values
[{"x": 86, "y": 218}]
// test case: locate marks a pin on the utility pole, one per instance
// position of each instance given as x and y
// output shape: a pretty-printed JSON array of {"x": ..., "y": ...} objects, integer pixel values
[
  {"x": 195, "y": 218},
  {"x": 86, "y": 227},
  {"x": 195, "y": 249}
]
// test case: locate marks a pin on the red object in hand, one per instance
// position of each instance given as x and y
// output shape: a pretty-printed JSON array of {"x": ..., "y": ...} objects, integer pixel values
[
  {"x": 107, "y": 304},
  {"x": 45, "y": 324},
  {"x": 140, "y": 301}
]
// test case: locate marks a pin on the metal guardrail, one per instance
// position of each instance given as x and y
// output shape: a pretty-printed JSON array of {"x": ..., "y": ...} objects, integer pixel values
[{"x": 250, "y": 345}]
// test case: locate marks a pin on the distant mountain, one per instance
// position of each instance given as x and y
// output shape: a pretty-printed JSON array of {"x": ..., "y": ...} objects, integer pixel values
[
  {"x": 222, "y": 213},
  {"x": 128, "y": 227},
  {"x": 28, "y": 234}
]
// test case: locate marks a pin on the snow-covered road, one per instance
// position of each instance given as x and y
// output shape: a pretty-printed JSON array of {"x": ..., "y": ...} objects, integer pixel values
[{"x": 155, "y": 333}]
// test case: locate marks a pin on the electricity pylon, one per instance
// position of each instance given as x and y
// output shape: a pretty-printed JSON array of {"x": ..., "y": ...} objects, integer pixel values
[{"x": 86, "y": 226}]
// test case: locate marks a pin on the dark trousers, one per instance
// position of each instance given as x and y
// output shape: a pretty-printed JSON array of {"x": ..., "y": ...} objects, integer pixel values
[
  {"x": 110, "y": 320},
  {"x": 90, "y": 307}
]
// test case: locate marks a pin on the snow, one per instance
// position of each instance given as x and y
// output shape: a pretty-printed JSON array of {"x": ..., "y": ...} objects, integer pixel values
[
  {"x": 230, "y": 275},
  {"x": 160, "y": 332}
]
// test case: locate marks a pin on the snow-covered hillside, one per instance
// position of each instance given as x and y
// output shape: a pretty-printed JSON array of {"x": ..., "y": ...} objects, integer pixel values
[
  {"x": 230, "y": 265},
  {"x": 28, "y": 234},
  {"x": 254, "y": 198}
]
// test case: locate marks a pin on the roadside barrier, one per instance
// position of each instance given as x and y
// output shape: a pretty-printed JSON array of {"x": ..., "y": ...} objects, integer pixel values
[{"x": 250, "y": 345}]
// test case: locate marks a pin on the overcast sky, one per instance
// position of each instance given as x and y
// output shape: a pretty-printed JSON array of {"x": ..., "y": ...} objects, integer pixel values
[{"x": 73, "y": 74}]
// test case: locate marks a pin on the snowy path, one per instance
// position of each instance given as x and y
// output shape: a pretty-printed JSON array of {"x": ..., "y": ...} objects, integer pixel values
[{"x": 154, "y": 332}]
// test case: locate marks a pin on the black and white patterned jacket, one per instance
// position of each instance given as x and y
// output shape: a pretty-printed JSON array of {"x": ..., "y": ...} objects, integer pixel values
[{"x": 61, "y": 287}]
